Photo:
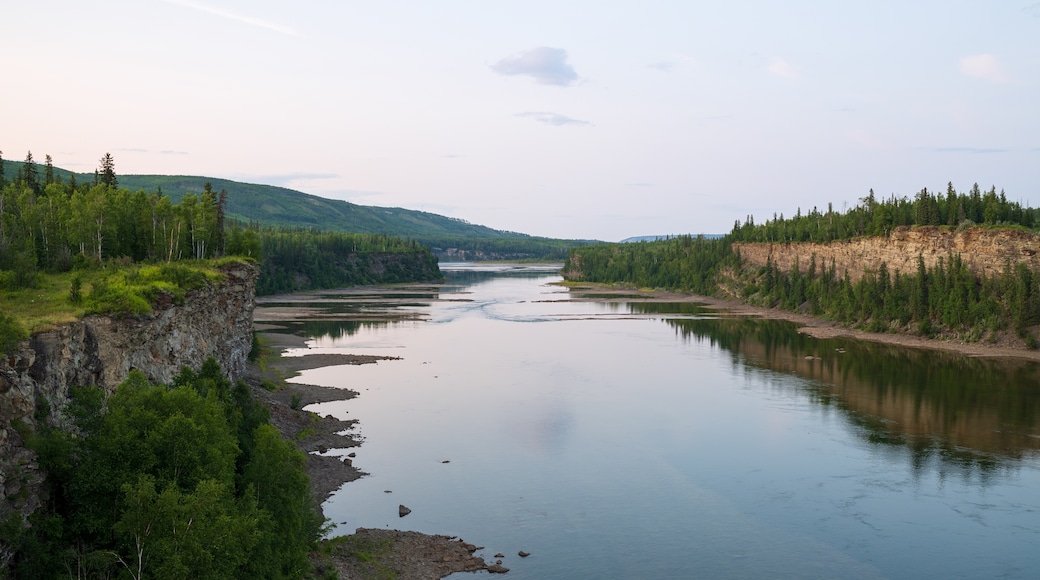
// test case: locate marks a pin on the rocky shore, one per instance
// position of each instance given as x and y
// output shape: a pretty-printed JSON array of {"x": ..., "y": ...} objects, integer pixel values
[{"x": 367, "y": 553}]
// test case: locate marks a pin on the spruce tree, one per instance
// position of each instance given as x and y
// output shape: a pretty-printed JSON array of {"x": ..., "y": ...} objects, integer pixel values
[
  {"x": 107, "y": 172},
  {"x": 48, "y": 170},
  {"x": 221, "y": 207},
  {"x": 30, "y": 175},
  {"x": 3, "y": 181}
]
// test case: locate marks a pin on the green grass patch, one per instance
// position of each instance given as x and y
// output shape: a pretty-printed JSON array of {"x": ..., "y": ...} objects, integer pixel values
[
  {"x": 135, "y": 290},
  {"x": 60, "y": 298}
]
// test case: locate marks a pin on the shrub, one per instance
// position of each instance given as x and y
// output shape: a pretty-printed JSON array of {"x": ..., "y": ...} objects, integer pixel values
[{"x": 11, "y": 333}]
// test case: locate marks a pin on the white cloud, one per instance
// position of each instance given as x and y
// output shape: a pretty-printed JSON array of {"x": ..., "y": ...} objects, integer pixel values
[
  {"x": 234, "y": 16},
  {"x": 546, "y": 65},
  {"x": 552, "y": 118},
  {"x": 782, "y": 68},
  {"x": 663, "y": 66},
  {"x": 973, "y": 150},
  {"x": 984, "y": 66}
]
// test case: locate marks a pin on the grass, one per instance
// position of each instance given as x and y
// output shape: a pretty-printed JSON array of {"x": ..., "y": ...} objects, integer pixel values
[
  {"x": 368, "y": 554},
  {"x": 115, "y": 289},
  {"x": 47, "y": 305}
]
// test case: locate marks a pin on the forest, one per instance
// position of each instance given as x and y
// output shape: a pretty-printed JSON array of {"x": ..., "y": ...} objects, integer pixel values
[
  {"x": 947, "y": 299},
  {"x": 873, "y": 217},
  {"x": 294, "y": 260},
  {"x": 51, "y": 225},
  {"x": 187, "y": 480},
  {"x": 69, "y": 248}
]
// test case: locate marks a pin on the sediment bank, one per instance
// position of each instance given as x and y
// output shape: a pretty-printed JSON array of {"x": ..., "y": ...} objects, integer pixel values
[{"x": 810, "y": 325}]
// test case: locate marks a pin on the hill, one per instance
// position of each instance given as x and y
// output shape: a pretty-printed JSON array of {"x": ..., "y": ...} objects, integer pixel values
[
  {"x": 280, "y": 206},
  {"x": 665, "y": 237}
]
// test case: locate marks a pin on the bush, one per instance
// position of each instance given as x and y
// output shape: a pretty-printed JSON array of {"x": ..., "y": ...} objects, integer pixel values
[
  {"x": 115, "y": 297},
  {"x": 11, "y": 334},
  {"x": 134, "y": 291},
  {"x": 76, "y": 289}
]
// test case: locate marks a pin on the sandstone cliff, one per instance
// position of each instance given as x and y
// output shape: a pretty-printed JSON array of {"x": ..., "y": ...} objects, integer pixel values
[
  {"x": 215, "y": 321},
  {"x": 984, "y": 251}
]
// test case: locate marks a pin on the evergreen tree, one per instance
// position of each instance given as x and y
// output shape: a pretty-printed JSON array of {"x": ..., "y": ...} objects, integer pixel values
[
  {"x": 107, "y": 172},
  {"x": 3, "y": 181},
  {"x": 221, "y": 207},
  {"x": 48, "y": 170},
  {"x": 30, "y": 174}
]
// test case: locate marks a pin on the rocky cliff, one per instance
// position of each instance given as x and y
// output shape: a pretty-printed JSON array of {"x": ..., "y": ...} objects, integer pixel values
[
  {"x": 215, "y": 321},
  {"x": 985, "y": 251}
]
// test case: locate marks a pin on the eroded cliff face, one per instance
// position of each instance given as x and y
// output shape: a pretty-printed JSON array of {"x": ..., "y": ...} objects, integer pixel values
[
  {"x": 983, "y": 251},
  {"x": 101, "y": 351}
]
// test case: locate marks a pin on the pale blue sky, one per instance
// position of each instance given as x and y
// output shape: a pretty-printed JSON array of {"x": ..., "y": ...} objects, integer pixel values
[{"x": 591, "y": 119}]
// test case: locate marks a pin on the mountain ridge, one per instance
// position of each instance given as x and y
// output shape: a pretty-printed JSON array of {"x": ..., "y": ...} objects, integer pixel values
[{"x": 272, "y": 205}]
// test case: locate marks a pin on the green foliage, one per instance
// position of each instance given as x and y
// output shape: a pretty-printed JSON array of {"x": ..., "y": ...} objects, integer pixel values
[
  {"x": 169, "y": 482},
  {"x": 295, "y": 260},
  {"x": 946, "y": 299},
  {"x": 134, "y": 290},
  {"x": 682, "y": 263},
  {"x": 255, "y": 348},
  {"x": 76, "y": 290},
  {"x": 873, "y": 217},
  {"x": 280, "y": 207},
  {"x": 11, "y": 333}
]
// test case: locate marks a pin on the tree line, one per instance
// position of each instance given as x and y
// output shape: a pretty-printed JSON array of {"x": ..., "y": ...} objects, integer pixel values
[
  {"x": 945, "y": 299},
  {"x": 298, "y": 259},
  {"x": 874, "y": 217},
  {"x": 187, "y": 480},
  {"x": 48, "y": 224},
  {"x": 51, "y": 225}
]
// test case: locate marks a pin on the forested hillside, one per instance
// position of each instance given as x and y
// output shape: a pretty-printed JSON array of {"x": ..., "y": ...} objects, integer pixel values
[
  {"x": 946, "y": 299},
  {"x": 269, "y": 205},
  {"x": 69, "y": 247}
]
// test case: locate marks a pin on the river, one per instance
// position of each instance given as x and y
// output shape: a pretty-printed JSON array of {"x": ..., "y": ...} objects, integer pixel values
[{"x": 630, "y": 439}]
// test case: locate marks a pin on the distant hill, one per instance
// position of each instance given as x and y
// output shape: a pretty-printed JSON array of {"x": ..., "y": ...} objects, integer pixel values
[
  {"x": 667, "y": 237},
  {"x": 280, "y": 206}
]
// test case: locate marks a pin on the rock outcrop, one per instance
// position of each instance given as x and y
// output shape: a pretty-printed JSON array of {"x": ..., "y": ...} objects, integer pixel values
[
  {"x": 984, "y": 251},
  {"x": 216, "y": 321}
]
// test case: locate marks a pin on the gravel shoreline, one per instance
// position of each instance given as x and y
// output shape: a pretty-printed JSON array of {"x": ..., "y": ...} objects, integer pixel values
[
  {"x": 813, "y": 326},
  {"x": 367, "y": 553}
]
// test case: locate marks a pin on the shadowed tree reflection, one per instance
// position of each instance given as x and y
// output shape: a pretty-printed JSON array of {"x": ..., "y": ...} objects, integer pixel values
[{"x": 972, "y": 414}]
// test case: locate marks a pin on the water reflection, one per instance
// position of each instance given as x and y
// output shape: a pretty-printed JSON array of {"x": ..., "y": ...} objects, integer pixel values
[
  {"x": 973, "y": 413},
  {"x": 334, "y": 329}
]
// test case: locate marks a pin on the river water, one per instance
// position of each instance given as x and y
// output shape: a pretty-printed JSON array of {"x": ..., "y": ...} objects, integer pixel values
[{"x": 633, "y": 439}]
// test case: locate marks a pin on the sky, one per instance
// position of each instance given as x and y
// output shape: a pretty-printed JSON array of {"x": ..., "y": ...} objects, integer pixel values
[{"x": 571, "y": 119}]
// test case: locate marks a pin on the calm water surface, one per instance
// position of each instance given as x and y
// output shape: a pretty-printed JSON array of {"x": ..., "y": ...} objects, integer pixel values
[{"x": 633, "y": 439}]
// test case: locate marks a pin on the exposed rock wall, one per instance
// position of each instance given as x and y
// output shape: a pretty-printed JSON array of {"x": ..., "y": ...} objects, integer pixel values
[
  {"x": 984, "y": 251},
  {"x": 215, "y": 321}
]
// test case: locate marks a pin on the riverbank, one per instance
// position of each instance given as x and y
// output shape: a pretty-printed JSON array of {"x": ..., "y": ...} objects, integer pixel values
[
  {"x": 809, "y": 325},
  {"x": 366, "y": 553}
]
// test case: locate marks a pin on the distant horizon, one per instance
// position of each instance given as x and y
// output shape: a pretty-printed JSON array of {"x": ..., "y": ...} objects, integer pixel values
[
  {"x": 630, "y": 238},
  {"x": 527, "y": 116},
  {"x": 91, "y": 173}
]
